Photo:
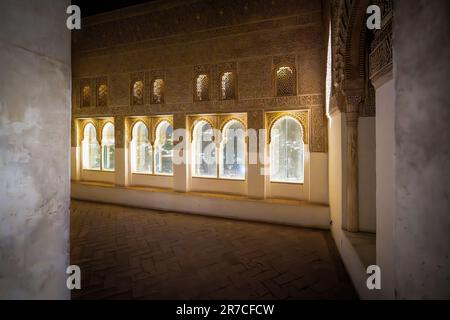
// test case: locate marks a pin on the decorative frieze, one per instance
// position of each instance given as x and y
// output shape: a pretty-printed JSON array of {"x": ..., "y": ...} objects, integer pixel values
[{"x": 380, "y": 60}]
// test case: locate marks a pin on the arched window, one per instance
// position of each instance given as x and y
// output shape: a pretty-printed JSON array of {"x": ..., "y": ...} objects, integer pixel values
[
  {"x": 90, "y": 148},
  {"x": 286, "y": 151},
  {"x": 108, "y": 147},
  {"x": 138, "y": 93},
  {"x": 102, "y": 95},
  {"x": 141, "y": 149},
  {"x": 232, "y": 150},
  {"x": 227, "y": 86},
  {"x": 158, "y": 91},
  {"x": 86, "y": 96},
  {"x": 163, "y": 148},
  {"x": 204, "y": 151},
  {"x": 202, "y": 87},
  {"x": 285, "y": 81}
]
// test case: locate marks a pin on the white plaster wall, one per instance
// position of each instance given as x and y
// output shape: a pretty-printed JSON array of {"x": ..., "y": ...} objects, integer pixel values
[
  {"x": 98, "y": 176},
  {"x": 385, "y": 184},
  {"x": 306, "y": 215},
  {"x": 319, "y": 178},
  {"x": 337, "y": 157},
  {"x": 35, "y": 112},
  {"x": 237, "y": 187},
  {"x": 422, "y": 144},
  {"x": 366, "y": 174},
  {"x": 148, "y": 180}
]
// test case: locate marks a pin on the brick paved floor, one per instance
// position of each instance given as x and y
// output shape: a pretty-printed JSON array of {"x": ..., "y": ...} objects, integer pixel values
[{"x": 127, "y": 253}]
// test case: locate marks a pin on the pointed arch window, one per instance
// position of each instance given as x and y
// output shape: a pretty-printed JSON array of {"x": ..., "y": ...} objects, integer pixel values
[
  {"x": 108, "y": 147},
  {"x": 204, "y": 151},
  {"x": 158, "y": 91},
  {"x": 286, "y": 151},
  {"x": 285, "y": 81},
  {"x": 90, "y": 148},
  {"x": 232, "y": 151},
  {"x": 227, "y": 90},
  {"x": 86, "y": 96},
  {"x": 163, "y": 149},
  {"x": 202, "y": 87},
  {"x": 138, "y": 93},
  {"x": 141, "y": 149},
  {"x": 102, "y": 95}
]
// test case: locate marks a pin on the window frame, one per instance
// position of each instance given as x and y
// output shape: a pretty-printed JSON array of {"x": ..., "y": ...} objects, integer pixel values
[
  {"x": 102, "y": 145},
  {"x": 221, "y": 150},
  {"x": 233, "y": 84},
  {"x": 83, "y": 151},
  {"x": 100, "y": 84},
  {"x": 194, "y": 149},
  {"x": 302, "y": 139},
  {"x": 133, "y": 148},
  {"x": 152, "y": 94},
  {"x": 208, "y": 97},
  {"x": 157, "y": 127},
  {"x": 294, "y": 79},
  {"x": 132, "y": 97}
]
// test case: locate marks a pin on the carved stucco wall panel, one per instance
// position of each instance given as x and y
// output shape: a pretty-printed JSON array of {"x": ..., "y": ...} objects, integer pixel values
[
  {"x": 310, "y": 71},
  {"x": 179, "y": 85},
  {"x": 251, "y": 46},
  {"x": 255, "y": 78},
  {"x": 119, "y": 94}
]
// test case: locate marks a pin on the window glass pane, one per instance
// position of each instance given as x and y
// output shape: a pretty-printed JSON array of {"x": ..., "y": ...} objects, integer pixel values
[
  {"x": 108, "y": 147},
  {"x": 163, "y": 149},
  {"x": 286, "y": 151},
  {"x": 233, "y": 151},
  {"x": 204, "y": 151},
  {"x": 142, "y": 149},
  {"x": 90, "y": 148}
]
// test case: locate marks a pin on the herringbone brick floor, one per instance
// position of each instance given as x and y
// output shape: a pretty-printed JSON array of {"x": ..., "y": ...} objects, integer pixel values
[{"x": 127, "y": 253}]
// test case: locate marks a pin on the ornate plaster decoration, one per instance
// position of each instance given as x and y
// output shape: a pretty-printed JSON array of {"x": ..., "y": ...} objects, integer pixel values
[
  {"x": 151, "y": 122},
  {"x": 102, "y": 91},
  {"x": 302, "y": 116},
  {"x": 80, "y": 124},
  {"x": 381, "y": 51}
]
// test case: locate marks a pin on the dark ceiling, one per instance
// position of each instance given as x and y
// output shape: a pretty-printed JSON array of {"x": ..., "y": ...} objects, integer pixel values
[{"x": 91, "y": 7}]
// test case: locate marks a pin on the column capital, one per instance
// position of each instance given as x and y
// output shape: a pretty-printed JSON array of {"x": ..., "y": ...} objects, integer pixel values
[{"x": 352, "y": 103}]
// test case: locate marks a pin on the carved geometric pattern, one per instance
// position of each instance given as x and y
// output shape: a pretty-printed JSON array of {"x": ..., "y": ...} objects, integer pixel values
[
  {"x": 102, "y": 91},
  {"x": 224, "y": 81},
  {"x": 98, "y": 123},
  {"x": 318, "y": 130},
  {"x": 202, "y": 87},
  {"x": 87, "y": 93},
  {"x": 157, "y": 86},
  {"x": 381, "y": 54},
  {"x": 285, "y": 81},
  {"x": 137, "y": 88},
  {"x": 151, "y": 123},
  {"x": 302, "y": 116},
  {"x": 216, "y": 121},
  {"x": 285, "y": 75}
]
